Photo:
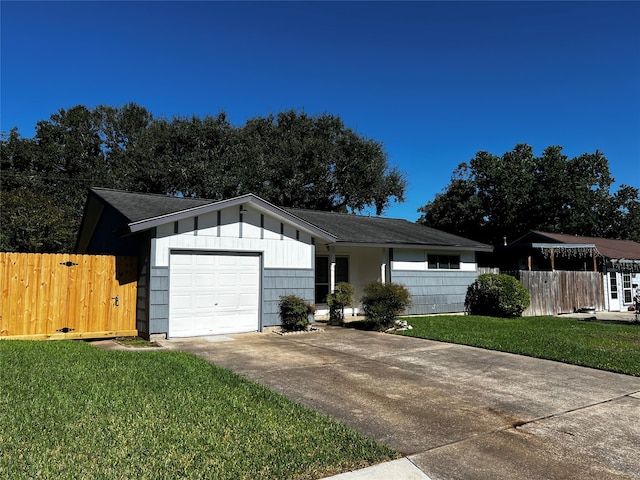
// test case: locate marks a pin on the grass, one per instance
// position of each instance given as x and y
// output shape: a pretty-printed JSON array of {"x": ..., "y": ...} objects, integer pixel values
[
  {"x": 603, "y": 345},
  {"x": 69, "y": 410}
]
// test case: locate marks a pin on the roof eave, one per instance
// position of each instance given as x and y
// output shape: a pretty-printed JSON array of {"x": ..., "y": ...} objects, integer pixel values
[
  {"x": 465, "y": 248},
  {"x": 563, "y": 245}
]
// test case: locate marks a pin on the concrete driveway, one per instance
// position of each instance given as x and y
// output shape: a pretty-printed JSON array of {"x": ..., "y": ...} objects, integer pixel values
[{"x": 457, "y": 412}]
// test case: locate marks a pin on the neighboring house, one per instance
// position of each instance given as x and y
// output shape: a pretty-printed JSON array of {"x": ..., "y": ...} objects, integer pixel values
[
  {"x": 212, "y": 267},
  {"x": 617, "y": 260}
]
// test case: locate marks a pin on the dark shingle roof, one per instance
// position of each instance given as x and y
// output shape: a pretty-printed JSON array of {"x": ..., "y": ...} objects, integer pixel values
[
  {"x": 141, "y": 206},
  {"x": 355, "y": 229},
  {"x": 351, "y": 229}
]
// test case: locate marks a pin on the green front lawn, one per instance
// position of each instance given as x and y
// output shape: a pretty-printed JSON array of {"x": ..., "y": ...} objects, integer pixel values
[
  {"x": 603, "y": 345},
  {"x": 69, "y": 410}
]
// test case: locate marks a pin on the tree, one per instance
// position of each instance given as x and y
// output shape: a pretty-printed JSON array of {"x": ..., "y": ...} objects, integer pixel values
[
  {"x": 295, "y": 160},
  {"x": 626, "y": 204},
  {"x": 33, "y": 222},
  {"x": 122, "y": 130},
  {"x": 44, "y": 181},
  {"x": 290, "y": 159},
  {"x": 464, "y": 220},
  {"x": 490, "y": 197}
]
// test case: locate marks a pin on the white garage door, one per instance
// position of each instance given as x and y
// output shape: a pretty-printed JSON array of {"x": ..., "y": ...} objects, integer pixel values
[{"x": 213, "y": 294}]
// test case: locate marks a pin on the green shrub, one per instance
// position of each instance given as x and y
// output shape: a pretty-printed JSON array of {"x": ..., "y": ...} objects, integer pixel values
[
  {"x": 497, "y": 295},
  {"x": 383, "y": 302},
  {"x": 294, "y": 312},
  {"x": 341, "y": 297}
]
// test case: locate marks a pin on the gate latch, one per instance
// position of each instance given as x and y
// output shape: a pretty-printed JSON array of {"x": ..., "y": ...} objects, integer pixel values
[
  {"x": 116, "y": 300},
  {"x": 65, "y": 329}
]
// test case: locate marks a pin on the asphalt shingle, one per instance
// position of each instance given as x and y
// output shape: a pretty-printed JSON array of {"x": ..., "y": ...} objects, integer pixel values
[
  {"x": 352, "y": 229},
  {"x": 142, "y": 206}
]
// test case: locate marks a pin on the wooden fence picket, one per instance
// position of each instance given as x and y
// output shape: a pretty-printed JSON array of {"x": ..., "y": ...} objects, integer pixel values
[
  {"x": 561, "y": 291},
  {"x": 56, "y": 296}
]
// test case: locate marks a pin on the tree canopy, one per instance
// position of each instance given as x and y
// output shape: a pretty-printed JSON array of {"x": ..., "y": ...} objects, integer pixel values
[
  {"x": 290, "y": 159},
  {"x": 492, "y": 197}
]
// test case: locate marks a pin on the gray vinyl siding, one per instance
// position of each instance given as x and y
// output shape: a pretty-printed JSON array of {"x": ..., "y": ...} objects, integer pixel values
[
  {"x": 283, "y": 281},
  {"x": 435, "y": 291},
  {"x": 159, "y": 300},
  {"x": 142, "y": 295}
]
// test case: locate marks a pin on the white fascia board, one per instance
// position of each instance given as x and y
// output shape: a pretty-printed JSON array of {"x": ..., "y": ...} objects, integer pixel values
[
  {"x": 152, "y": 222},
  {"x": 259, "y": 203}
]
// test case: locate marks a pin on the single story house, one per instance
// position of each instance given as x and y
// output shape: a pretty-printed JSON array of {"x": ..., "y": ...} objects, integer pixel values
[
  {"x": 214, "y": 267},
  {"x": 617, "y": 260}
]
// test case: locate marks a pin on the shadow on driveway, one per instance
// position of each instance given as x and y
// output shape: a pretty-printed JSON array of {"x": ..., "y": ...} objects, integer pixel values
[{"x": 457, "y": 412}]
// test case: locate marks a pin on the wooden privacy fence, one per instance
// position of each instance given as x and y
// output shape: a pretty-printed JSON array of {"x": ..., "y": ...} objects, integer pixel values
[
  {"x": 57, "y": 296},
  {"x": 561, "y": 291}
]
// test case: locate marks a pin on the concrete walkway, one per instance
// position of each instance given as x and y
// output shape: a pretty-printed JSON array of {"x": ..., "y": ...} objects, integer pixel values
[{"x": 455, "y": 412}]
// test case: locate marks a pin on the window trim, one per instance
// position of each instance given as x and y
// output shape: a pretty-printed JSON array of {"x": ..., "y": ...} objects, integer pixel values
[{"x": 439, "y": 261}]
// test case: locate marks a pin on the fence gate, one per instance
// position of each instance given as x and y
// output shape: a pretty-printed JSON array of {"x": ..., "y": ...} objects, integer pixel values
[{"x": 57, "y": 296}]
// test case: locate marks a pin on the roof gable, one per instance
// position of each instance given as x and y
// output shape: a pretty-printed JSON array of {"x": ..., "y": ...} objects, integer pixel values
[{"x": 144, "y": 211}]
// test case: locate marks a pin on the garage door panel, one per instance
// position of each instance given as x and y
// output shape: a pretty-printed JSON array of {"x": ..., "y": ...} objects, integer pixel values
[
  {"x": 247, "y": 300},
  {"x": 205, "y": 259},
  {"x": 181, "y": 260},
  {"x": 248, "y": 280},
  {"x": 247, "y": 260},
  {"x": 181, "y": 280},
  {"x": 181, "y": 302},
  {"x": 213, "y": 294},
  {"x": 228, "y": 300},
  {"x": 203, "y": 302},
  {"x": 227, "y": 260},
  {"x": 236, "y": 324},
  {"x": 205, "y": 280}
]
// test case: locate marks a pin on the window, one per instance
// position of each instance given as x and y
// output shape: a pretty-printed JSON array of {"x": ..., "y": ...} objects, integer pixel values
[
  {"x": 626, "y": 287},
  {"x": 614, "y": 286},
  {"x": 444, "y": 262},
  {"x": 342, "y": 269},
  {"x": 322, "y": 279},
  {"x": 323, "y": 272}
]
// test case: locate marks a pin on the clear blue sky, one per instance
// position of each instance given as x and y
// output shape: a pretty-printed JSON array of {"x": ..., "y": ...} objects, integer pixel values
[{"x": 435, "y": 82}]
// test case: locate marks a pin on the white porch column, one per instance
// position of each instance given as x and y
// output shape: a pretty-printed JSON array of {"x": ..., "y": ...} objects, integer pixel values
[
  {"x": 332, "y": 270},
  {"x": 383, "y": 265}
]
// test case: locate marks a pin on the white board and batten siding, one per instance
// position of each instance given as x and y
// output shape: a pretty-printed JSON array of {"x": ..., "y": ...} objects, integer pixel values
[
  {"x": 289, "y": 250},
  {"x": 210, "y": 275}
]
